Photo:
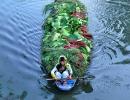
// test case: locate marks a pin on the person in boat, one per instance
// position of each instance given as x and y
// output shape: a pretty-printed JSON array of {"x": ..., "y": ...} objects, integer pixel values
[{"x": 62, "y": 69}]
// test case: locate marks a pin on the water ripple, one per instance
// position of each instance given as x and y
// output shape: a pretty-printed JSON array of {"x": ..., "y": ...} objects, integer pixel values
[
  {"x": 108, "y": 27},
  {"x": 21, "y": 33}
]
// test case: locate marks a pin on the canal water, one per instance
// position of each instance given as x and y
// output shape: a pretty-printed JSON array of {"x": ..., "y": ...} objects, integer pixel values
[{"x": 20, "y": 40}]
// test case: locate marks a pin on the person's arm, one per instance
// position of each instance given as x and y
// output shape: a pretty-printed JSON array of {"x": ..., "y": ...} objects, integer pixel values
[
  {"x": 70, "y": 69},
  {"x": 53, "y": 72}
]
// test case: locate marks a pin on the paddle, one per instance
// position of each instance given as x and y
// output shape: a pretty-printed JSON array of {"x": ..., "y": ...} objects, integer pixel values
[{"x": 85, "y": 77}]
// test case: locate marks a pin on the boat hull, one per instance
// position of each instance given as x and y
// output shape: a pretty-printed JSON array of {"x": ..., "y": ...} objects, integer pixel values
[{"x": 67, "y": 86}]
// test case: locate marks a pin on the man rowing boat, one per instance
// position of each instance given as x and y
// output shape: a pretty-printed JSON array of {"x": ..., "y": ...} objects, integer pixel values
[{"x": 62, "y": 69}]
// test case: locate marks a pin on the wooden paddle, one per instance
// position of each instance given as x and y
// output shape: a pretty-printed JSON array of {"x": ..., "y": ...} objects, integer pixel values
[{"x": 85, "y": 77}]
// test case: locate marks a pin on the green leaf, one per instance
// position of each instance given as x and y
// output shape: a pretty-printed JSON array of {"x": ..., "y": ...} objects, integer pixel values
[
  {"x": 65, "y": 32},
  {"x": 77, "y": 34},
  {"x": 88, "y": 49},
  {"x": 73, "y": 37},
  {"x": 78, "y": 9},
  {"x": 56, "y": 25},
  {"x": 49, "y": 19},
  {"x": 85, "y": 56},
  {"x": 83, "y": 50},
  {"x": 64, "y": 21},
  {"x": 56, "y": 36}
]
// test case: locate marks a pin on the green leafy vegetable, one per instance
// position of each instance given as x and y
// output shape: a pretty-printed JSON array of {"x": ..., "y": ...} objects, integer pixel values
[{"x": 63, "y": 35}]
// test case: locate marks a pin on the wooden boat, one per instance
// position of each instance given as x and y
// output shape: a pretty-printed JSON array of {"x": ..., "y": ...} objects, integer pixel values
[{"x": 65, "y": 33}]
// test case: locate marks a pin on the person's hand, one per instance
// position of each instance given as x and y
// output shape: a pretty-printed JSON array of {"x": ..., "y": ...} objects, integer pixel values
[
  {"x": 55, "y": 79},
  {"x": 69, "y": 77}
]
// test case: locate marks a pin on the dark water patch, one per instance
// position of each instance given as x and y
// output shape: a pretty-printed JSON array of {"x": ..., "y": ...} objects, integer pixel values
[{"x": 13, "y": 96}]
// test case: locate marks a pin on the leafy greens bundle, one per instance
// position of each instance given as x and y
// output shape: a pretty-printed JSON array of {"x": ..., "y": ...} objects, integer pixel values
[{"x": 65, "y": 33}]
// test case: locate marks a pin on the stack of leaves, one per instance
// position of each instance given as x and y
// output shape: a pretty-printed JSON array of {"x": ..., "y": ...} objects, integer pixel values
[{"x": 65, "y": 33}]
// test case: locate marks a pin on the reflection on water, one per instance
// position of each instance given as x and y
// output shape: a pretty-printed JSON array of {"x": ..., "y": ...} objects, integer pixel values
[{"x": 21, "y": 33}]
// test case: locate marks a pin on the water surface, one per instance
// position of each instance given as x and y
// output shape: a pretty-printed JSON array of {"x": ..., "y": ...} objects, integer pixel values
[{"x": 20, "y": 39}]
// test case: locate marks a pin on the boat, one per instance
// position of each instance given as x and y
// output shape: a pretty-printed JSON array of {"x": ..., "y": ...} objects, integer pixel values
[
  {"x": 67, "y": 86},
  {"x": 65, "y": 33}
]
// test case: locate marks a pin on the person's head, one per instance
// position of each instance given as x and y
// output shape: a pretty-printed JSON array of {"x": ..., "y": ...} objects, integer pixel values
[{"x": 62, "y": 60}]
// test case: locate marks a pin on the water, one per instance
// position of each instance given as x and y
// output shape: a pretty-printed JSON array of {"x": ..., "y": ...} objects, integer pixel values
[{"x": 20, "y": 38}]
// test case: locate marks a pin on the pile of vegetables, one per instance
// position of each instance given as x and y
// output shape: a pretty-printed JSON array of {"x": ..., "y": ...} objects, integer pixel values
[{"x": 65, "y": 33}]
